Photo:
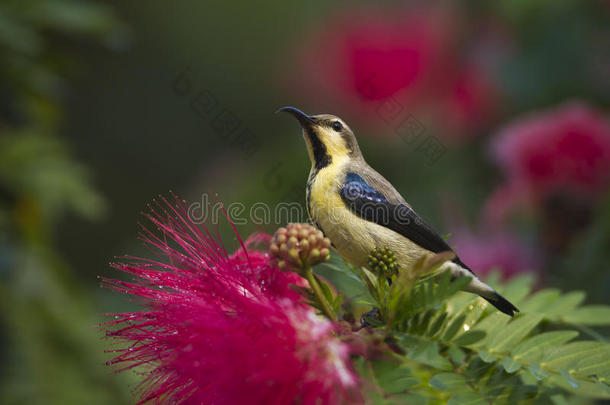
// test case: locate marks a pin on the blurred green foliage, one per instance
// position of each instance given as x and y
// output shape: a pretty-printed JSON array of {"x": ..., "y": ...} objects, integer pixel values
[{"x": 50, "y": 353}]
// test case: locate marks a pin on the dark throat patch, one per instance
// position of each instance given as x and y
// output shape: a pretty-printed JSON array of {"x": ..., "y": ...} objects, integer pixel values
[{"x": 320, "y": 154}]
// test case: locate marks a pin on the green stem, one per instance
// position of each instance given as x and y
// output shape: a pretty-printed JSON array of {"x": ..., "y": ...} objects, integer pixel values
[{"x": 328, "y": 311}]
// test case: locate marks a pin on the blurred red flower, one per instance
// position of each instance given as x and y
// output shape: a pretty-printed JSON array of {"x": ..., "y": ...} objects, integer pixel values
[
  {"x": 565, "y": 150},
  {"x": 222, "y": 329},
  {"x": 471, "y": 100},
  {"x": 410, "y": 58}
]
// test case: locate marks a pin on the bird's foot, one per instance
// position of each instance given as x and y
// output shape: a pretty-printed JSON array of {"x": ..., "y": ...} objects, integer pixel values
[{"x": 371, "y": 319}]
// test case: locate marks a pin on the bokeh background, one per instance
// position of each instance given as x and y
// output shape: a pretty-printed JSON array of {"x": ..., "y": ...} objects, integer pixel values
[{"x": 492, "y": 118}]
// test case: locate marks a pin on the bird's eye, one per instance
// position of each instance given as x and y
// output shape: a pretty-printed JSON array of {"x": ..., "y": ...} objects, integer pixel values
[{"x": 337, "y": 126}]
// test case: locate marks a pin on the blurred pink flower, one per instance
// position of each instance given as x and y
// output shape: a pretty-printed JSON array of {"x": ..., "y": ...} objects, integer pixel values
[
  {"x": 222, "y": 329},
  {"x": 470, "y": 102},
  {"x": 405, "y": 57},
  {"x": 487, "y": 250},
  {"x": 562, "y": 150},
  {"x": 366, "y": 55}
]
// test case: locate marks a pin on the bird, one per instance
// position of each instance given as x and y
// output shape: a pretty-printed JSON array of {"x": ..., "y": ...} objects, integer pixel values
[{"x": 359, "y": 210}]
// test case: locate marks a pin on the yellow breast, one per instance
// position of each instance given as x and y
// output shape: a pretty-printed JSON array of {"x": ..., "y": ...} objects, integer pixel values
[{"x": 353, "y": 237}]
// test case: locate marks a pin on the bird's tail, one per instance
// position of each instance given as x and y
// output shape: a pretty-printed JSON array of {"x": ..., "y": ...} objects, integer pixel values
[
  {"x": 478, "y": 287},
  {"x": 501, "y": 303}
]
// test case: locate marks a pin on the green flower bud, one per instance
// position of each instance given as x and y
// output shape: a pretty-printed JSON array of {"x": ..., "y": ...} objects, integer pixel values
[{"x": 383, "y": 262}]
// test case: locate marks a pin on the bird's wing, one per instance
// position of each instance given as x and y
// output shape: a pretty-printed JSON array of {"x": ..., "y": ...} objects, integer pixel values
[{"x": 371, "y": 204}]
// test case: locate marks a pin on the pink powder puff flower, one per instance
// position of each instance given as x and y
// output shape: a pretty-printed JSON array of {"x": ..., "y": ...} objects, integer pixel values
[
  {"x": 562, "y": 150},
  {"x": 220, "y": 328}
]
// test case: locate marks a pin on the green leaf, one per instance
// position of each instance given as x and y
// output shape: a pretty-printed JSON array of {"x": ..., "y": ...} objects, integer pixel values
[
  {"x": 338, "y": 302},
  {"x": 487, "y": 357},
  {"x": 392, "y": 378},
  {"x": 559, "y": 400},
  {"x": 448, "y": 381},
  {"x": 585, "y": 388},
  {"x": 492, "y": 325},
  {"x": 597, "y": 363},
  {"x": 370, "y": 279},
  {"x": 473, "y": 308},
  {"x": 428, "y": 353},
  {"x": 540, "y": 301},
  {"x": 436, "y": 325},
  {"x": 334, "y": 265},
  {"x": 456, "y": 355},
  {"x": 514, "y": 332},
  {"x": 565, "y": 303},
  {"x": 422, "y": 321},
  {"x": 537, "y": 371},
  {"x": 411, "y": 399},
  {"x": 457, "y": 285},
  {"x": 467, "y": 398},
  {"x": 470, "y": 337},
  {"x": 565, "y": 374},
  {"x": 519, "y": 287},
  {"x": 515, "y": 391},
  {"x": 454, "y": 327},
  {"x": 567, "y": 356},
  {"x": 603, "y": 386},
  {"x": 510, "y": 365},
  {"x": 588, "y": 315},
  {"x": 533, "y": 349},
  {"x": 443, "y": 283}
]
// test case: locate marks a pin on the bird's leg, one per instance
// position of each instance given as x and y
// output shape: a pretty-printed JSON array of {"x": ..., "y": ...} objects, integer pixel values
[{"x": 371, "y": 319}]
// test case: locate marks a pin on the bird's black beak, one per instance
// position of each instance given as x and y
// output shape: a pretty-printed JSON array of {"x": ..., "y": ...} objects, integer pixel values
[{"x": 306, "y": 121}]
